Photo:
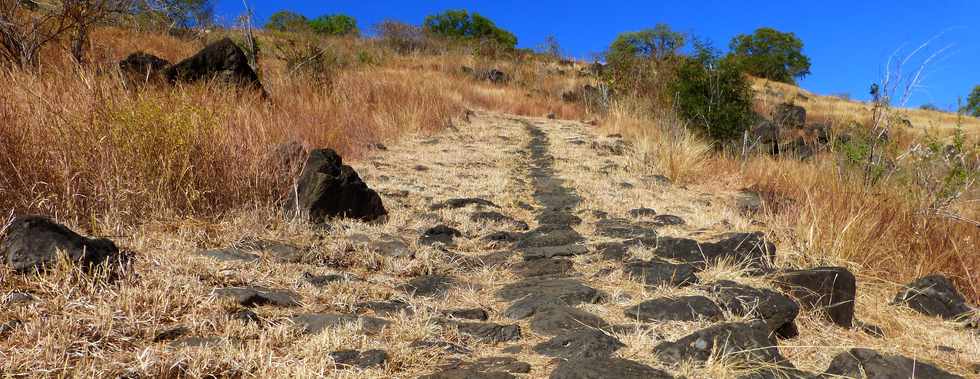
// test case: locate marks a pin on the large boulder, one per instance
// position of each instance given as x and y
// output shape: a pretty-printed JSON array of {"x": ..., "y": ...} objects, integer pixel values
[
  {"x": 776, "y": 310},
  {"x": 828, "y": 289},
  {"x": 327, "y": 188},
  {"x": 222, "y": 60},
  {"x": 934, "y": 295},
  {"x": 33, "y": 242},
  {"x": 789, "y": 116},
  {"x": 142, "y": 66}
]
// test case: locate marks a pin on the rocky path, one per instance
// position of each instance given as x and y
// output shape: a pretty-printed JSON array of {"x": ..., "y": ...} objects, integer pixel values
[{"x": 514, "y": 247}]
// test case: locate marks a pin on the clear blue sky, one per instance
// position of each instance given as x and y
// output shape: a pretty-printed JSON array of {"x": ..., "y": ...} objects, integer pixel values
[{"x": 848, "y": 41}]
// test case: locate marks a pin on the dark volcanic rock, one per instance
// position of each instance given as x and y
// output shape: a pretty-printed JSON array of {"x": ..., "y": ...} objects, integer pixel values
[
  {"x": 323, "y": 280},
  {"x": 494, "y": 364},
  {"x": 222, "y": 60},
  {"x": 556, "y": 217},
  {"x": 33, "y": 243},
  {"x": 327, "y": 188},
  {"x": 656, "y": 272},
  {"x": 621, "y": 228},
  {"x": 360, "y": 359},
  {"x": 687, "y": 308},
  {"x": 668, "y": 220},
  {"x": 463, "y": 202},
  {"x": 865, "y": 363},
  {"x": 312, "y": 323},
  {"x": 441, "y": 234},
  {"x": 441, "y": 345},
  {"x": 578, "y": 344},
  {"x": 468, "y": 314},
  {"x": 829, "y": 289},
  {"x": 428, "y": 285},
  {"x": 258, "y": 296},
  {"x": 171, "y": 334},
  {"x": 748, "y": 249},
  {"x": 789, "y": 116},
  {"x": 467, "y": 373},
  {"x": 385, "y": 308},
  {"x": 142, "y": 66},
  {"x": 531, "y": 294},
  {"x": 489, "y": 332},
  {"x": 557, "y": 319},
  {"x": 253, "y": 250},
  {"x": 777, "y": 310},
  {"x": 552, "y": 235},
  {"x": 497, "y": 217},
  {"x": 934, "y": 295},
  {"x": 746, "y": 342},
  {"x": 544, "y": 267},
  {"x": 642, "y": 212},
  {"x": 606, "y": 368}
]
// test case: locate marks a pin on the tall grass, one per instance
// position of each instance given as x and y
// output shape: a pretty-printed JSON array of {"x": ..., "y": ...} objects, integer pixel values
[{"x": 77, "y": 143}]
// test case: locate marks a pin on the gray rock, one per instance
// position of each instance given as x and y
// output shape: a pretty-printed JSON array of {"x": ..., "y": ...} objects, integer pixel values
[
  {"x": 657, "y": 272},
  {"x": 742, "y": 342},
  {"x": 934, "y": 295},
  {"x": 360, "y": 359},
  {"x": 530, "y": 294},
  {"x": 642, "y": 212},
  {"x": 385, "y": 308},
  {"x": 313, "y": 323},
  {"x": 621, "y": 228},
  {"x": 556, "y": 267},
  {"x": 439, "y": 234},
  {"x": 327, "y": 188},
  {"x": 580, "y": 344},
  {"x": 558, "y": 319},
  {"x": 428, "y": 285},
  {"x": 828, "y": 289},
  {"x": 747, "y": 249},
  {"x": 606, "y": 368},
  {"x": 258, "y": 296},
  {"x": 668, "y": 220},
  {"x": 777, "y": 310},
  {"x": 489, "y": 332},
  {"x": 686, "y": 308},
  {"x": 32, "y": 244},
  {"x": 468, "y": 314},
  {"x": 462, "y": 202},
  {"x": 866, "y": 363}
]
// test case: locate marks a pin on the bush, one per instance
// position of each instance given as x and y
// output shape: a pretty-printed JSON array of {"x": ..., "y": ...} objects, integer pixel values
[
  {"x": 463, "y": 26},
  {"x": 401, "y": 37},
  {"x": 973, "y": 103},
  {"x": 286, "y": 21},
  {"x": 770, "y": 54},
  {"x": 640, "y": 62},
  {"x": 929, "y": 107},
  {"x": 713, "y": 95},
  {"x": 334, "y": 25}
]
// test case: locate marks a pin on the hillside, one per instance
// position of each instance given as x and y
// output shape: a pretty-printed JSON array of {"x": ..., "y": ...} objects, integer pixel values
[{"x": 349, "y": 208}]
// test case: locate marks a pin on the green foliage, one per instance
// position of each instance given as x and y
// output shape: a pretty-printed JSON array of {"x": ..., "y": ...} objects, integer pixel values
[
  {"x": 462, "y": 25},
  {"x": 712, "y": 94},
  {"x": 972, "y": 107},
  {"x": 770, "y": 54},
  {"x": 943, "y": 170},
  {"x": 640, "y": 62},
  {"x": 334, "y": 25},
  {"x": 929, "y": 107},
  {"x": 286, "y": 21},
  {"x": 175, "y": 14}
]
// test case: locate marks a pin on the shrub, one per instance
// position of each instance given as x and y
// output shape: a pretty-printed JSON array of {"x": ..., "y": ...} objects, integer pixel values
[
  {"x": 464, "y": 26},
  {"x": 286, "y": 21},
  {"x": 973, "y": 103},
  {"x": 712, "y": 95},
  {"x": 640, "y": 62},
  {"x": 929, "y": 107},
  {"x": 401, "y": 37},
  {"x": 770, "y": 54},
  {"x": 334, "y": 25}
]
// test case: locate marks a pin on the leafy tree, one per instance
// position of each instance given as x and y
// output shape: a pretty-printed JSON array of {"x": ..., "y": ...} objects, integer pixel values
[
  {"x": 286, "y": 21},
  {"x": 929, "y": 107},
  {"x": 462, "y": 25},
  {"x": 177, "y": 14},
  {"x": 334, "y": 25},
  {"x": 973, "y": 103},
  {"x": 712, "y": 94},
  {"x": 771, "y": 54},
  {"x": 641, "y": 61}
]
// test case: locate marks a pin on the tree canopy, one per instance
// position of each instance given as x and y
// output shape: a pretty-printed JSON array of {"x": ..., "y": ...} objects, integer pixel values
[
  {"x": 973, "y": 103},
  {"x": 462, "y": 25},
  {"x": 770, "y": 54},
  {"x": 286, "y": 21},
  {"x": 334, "y": 25},
  {"x": 658, "y": 43}
]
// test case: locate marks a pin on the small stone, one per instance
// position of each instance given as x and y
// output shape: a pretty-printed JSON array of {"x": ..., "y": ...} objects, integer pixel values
[
  {"x": 19, "y": 298},
  {"x": 557, "y": 319},
  {"x": 468, "y": 314},
  {"x": 555, "y": 267},
  {"x": 489, "y": 332},
  {"x": 439, "y": 234},
  {"x": 313, "y": 323},
  {"x": 657, "y": 272},
  {"x": 363, "y": 360},
  {"x": 385, "y": 308},
  {"x": 258, "y": 296},
  {"x": 324, "y": 280},
  {"x": 463, "y": 202},
  {"x": 428, "y": 285},
  {"x": 866, "y": 363},
  {"x": 642, "y": 212},
  {"x": 934, "y": 295},
  {"x": 441, "y": 345},
  {"x": 580, "y": 343},
  {"x": 171, "y": 334},
  {"x": 777, "y": 310},
  {"x": 605, "y": 367},
  {"x": 746, "y": 342},
  {"x": 246, "y": 316},
  {"x": 668, "y": 220}
]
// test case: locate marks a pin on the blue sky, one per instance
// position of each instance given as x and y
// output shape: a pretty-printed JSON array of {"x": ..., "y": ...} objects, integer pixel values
[{"x": 848, "y": 41}]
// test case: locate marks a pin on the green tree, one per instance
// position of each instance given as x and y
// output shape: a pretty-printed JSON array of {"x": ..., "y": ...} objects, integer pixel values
[
  {"x": 334, "y": 25},
  {"x": 641, "y": 61},
  {"x": 286, "y": 21},
  {"x": 770, "y": 54},
  {"x": 462, "y": 25},
  {"x": 973, "y": 103},
  {"x": 712, "y": 94},
  {"x": 177, "y": 14}
]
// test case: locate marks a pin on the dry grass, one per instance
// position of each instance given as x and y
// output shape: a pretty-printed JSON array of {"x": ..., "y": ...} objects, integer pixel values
[{"x": 80, "y": 145}]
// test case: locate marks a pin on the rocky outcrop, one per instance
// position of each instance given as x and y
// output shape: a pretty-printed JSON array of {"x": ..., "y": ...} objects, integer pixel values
[
  {"x": 33, "y": 244},
  {"x": 327, "y": 188}
]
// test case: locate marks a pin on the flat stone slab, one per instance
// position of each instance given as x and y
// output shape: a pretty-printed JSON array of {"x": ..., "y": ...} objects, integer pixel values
[
  {"x": 385, "y": 308},
  {"x": 493, "y": 364},
  {"x": 580, "y": 344},
  {"x": 530, "y": 294},
  {"x": 668, "y": 220},
  {"x": 324, "y": 280},
  {"x": 468, "y": 314},
  {"x": 866, "y": 363},
  {"x": 624, "y": 229},
  {"x": 428, "y": 285},
  {"x": 555, "y": 267},
  {"x": 606, "y": 368},
  {"x": 550, "y": 235},
  {"x": 258, "y": 296},
  {"x": 498, "y": 218},
  {"x": 558, "y": 319},
  {"x": 777, "y": 310},
  {"x": 313, "y": 323},
  {"x": 750, "y": 250},
  {"x": 488, "y": 332},
  {"x": 555, "y": 217},
  {"x": 657, "y": 272},
  {"x": 439, "y": 234},
  {"x": 253, "y": 250},
  {"x": 687, "y": 308},
  {"x": 544, "y": 252},
  {"x": 462, "y": 202},
  {"x": 360, "y": 359},
  {"x": 467, "y": 373}
]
